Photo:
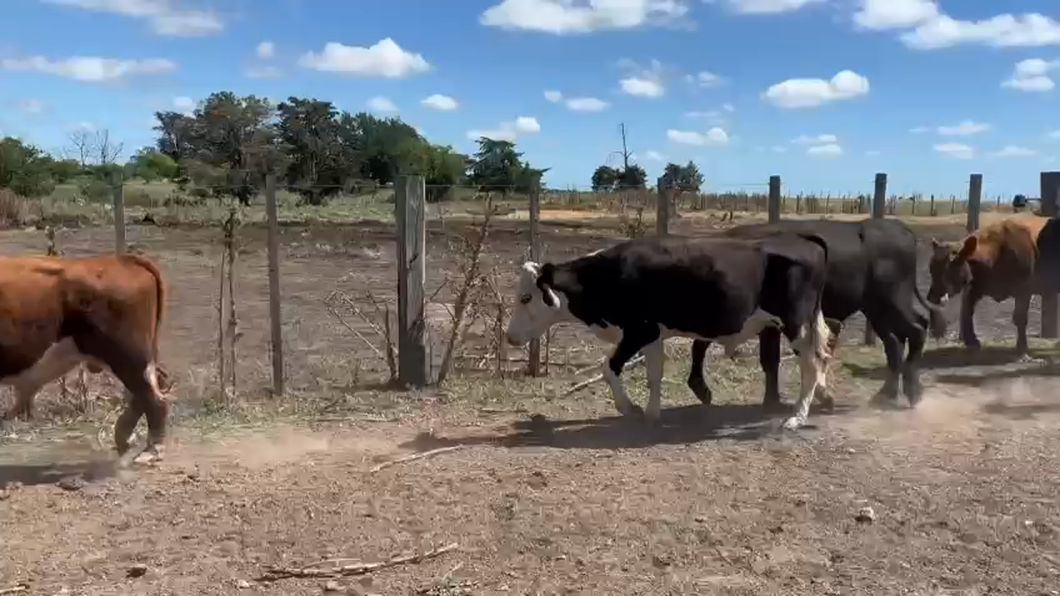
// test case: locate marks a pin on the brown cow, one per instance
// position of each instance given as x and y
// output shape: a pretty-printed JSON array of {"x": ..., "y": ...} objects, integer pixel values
[
  {"x": 104, "y": 311},
  {"x": 1000, "y": 261}
]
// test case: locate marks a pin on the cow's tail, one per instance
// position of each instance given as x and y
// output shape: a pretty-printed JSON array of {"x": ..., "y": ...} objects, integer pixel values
[
  {"x": 821, "y": 334},
  {"x": 160, "y": 295},
  {"x": 936, "y": 318}
]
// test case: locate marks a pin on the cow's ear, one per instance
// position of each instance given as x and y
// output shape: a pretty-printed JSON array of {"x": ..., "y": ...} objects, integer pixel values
[
  {"x": 545, "y": 283},
  {"x": 968, "y": 249}
]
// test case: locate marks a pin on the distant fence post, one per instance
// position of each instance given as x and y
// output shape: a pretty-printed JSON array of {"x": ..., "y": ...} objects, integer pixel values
[
  {"x": 879, "y": 211},
  {"x": 275, "y": 321},
  {"x": 662, "y": 207},
  {"x": 410, "y": 205},
  {"x": 773, "y": 207},
  {"x": 975, "y": 197},
  {"x": 1050, "y": 197},
  {"x": 118, "y": 193},
  {"x": 534, "y": 366}
]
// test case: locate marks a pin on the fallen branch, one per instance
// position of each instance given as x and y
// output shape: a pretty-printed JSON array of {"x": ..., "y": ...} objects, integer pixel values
[
  {"x": 635, "y": 362},
  {"x": 414, "y": 457},
  {"x": 276, "y": 573},
  {"x": 14, "y": 589},
  {"x": 331, "y": 310}
]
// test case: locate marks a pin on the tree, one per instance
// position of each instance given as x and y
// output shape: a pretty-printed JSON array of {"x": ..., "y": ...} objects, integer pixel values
[
  {"x": 442, "y": 169},
  {"x": 609, "y": 179},
  {"x": 605, "y": 178},
  {"x": 65, "y": 170},
  {"x": 151, "y": 164},
  {"x": 309, "y": 130},
  {"x": 633, "y": 177},
  {"x": 683, "y": 178},
  {"x": 80, "y": 147},
  {"x": 25, "y": 169},
  {"x": 107, "y": 150}
]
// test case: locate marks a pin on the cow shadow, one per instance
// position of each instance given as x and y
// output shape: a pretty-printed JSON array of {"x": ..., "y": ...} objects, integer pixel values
[
  {"x": 953, "y": 357},
  {"x": 677, "y": 426},
  {"x": 38, "y": 474},
  {"x": 1020, "y": 411},
  {"x": 978, "y": 378}
]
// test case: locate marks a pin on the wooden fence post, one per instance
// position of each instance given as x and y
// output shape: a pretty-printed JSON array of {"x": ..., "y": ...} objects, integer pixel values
[
  {"x": 275, "y": 320},
  {"x": 662, "y": 207},
  {"x": 118, "y": 193},
  {"x": 534, "y": 366},
  {"x": 409, "y": 203},
  {"x": 1050, "y": 197},
  {"x": 975, "y": 197},
  {"x": 879, "y": 208},
  {"x": 773, "y": 207}
]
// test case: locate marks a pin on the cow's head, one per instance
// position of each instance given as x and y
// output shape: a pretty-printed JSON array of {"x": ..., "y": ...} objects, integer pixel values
[
  {"x": 949, "y": 269},
  {"x": 538, "y": 305}
]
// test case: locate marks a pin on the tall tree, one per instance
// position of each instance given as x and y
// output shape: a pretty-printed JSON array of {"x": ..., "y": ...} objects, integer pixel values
[
  {"x": 25, "y": 169},
  {"x": 309, "y": 130},
  {"x": 605, "y": 178}
]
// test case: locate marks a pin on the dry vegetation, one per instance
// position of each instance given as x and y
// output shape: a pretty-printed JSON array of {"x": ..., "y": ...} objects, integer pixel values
[{"x": 494, "y": 482}]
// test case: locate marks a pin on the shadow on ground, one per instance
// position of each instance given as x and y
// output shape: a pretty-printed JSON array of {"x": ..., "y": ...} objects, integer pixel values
[
  {"x": 36, "y": 474},
  {"x": 957, "y": 357},
  {"x": 682, "y": 425}
]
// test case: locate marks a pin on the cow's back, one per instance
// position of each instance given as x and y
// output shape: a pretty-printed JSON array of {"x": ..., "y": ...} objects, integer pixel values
[{"x": 31, "y": 310}]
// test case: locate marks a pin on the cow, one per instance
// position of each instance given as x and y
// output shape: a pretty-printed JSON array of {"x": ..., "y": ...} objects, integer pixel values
[
  {"x": 1012, "y": 258},
  {"x": 640, "y": 292},
  {"x": 872, "y": 267},
  {"x": 104, "y": 311}
]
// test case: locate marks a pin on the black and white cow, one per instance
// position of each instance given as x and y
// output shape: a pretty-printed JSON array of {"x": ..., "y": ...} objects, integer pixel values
[
  {"x": 640, "y": 292},
  {"x": 872, "y": 268}
]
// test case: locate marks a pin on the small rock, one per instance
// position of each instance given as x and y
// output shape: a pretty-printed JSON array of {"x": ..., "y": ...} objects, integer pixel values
[
  {"x": 137, "y": 570},
  {"x": 13, "y": 486},
  {"x": 242, "y": 584},
  {"x": 865, "y": 515},
  {"x": 333, "y": 586},
  {"x": 71, "y": 483},
  {"x": 660, "y": 562}
]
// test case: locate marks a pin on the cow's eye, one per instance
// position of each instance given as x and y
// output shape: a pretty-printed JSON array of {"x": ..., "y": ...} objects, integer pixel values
[{"x": 525, "y": 299}]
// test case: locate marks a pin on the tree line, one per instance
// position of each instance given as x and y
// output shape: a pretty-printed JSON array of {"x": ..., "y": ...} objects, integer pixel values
[{"x": 633, "y": 177}]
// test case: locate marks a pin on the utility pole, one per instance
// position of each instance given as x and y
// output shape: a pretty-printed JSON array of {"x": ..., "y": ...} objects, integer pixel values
[{"x": 625, "y": 150}]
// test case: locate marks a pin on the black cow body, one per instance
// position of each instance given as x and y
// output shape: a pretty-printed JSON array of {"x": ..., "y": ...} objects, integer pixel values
[
  {"x": 640, "y": 292},
  {"x": 872, "y": 268}
]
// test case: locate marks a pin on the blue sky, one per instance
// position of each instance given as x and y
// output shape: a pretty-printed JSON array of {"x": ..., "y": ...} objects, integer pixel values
[{"x": 823, "y": 92}]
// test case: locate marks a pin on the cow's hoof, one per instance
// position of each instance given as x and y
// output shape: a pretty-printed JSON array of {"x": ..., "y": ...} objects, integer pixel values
[
  {"x": 151, "y": 455},
  {"x": 884, "y": 400},
  {"x": 793, "y": 423}
]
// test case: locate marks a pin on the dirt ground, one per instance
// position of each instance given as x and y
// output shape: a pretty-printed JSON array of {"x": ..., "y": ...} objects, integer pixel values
[{"x": 544, "y": 493}]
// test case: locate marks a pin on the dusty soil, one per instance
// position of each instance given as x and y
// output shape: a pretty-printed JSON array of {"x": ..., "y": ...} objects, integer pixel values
[{"x": 546, "y": 494}]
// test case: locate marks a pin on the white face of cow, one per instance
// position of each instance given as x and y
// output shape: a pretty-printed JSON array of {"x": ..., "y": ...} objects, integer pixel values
[{"x": 531, "y": 316}]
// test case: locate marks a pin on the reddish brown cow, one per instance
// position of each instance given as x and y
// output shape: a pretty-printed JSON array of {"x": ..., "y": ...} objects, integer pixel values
[
  {"x": 1001, "y": 261},
  {"x": 104, "y": 311}
]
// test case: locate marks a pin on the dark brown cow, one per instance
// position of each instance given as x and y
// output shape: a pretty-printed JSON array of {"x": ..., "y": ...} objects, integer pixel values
[
  {"x": 104, "y": 311},
  {"x": 1001, "y": 261}
]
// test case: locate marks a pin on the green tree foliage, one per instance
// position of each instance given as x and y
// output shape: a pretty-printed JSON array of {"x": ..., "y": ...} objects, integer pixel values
[
  {"x": 685, "y": 178},
  {"x": 609, "y": 179},
  {"x": 25, "y": 169},
  {"x": 498, "y": 166},
  {"x": 151, "y": 165}
]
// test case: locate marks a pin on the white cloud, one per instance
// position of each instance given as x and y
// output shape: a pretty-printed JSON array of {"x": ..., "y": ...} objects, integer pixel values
[
  {"x": 185, "y": 105},
  {"x": 554, "y": 96},
  {"x": 815, "y": 140},
  {"x": 165, "y": 17},
  {"x": 642, "y": 87},
  {"x": 382, "y": 104},
  {"x": 965, "y": 128},
  {"x": 654, "y": 156},
  {"x": 266, "y": 50},
  {"x": 567, "y": 17},
  {"x": 882, "y": 15},
  {"x": 715, "y": 137},
  {"x": 508, "y": 131},
  {"x": 1014, "y": 151},
  {"x": 586, "y": 104},
  {"x": 768, "y": 6},
  {"x": 384, "y": 59},
  {"x": 32, "y": 106},
  {"x": 1004, "y": 30},
  {"x": 827, "y": 150},
  {"x": 263, "y": 72},
  {"x": 89, "y": 69},
  {"x": 808, "y": 93},
  {"x": 442, "y": 103},
  {"x": 1032, "y": 75},
  {"x": 919, "y": 129},
  {"x": 728, "y": 107},
  {"x": 1054, "y": 134},
  {"x": 706, "y": 79},
  {"x": 955, "y": 150}
]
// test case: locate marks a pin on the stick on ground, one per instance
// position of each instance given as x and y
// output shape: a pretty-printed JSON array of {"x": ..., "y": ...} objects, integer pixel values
[
  {"x": 415, "y": 456},
  {"x": 13, "y": 590},
  {"x": 277, "y": 573}
]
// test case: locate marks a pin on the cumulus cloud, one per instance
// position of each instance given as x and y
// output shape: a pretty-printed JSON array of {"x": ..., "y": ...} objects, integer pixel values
[
  {"x": 509, "y": 130},
  {"x": 165, "y": 17},
  {"x": 381, "y": 104},
  {"x": 89, "y": 69},
  {"x": 384, "y": 59},
  {"x": 955, "y": 150},
  {"x": 714, "y": 137},
  {"x": 571, "y": 17},
  {"x": 184, "y": 105},
  {"x": 882, "y": 15},
  {"x": 768, "y": 6},
  {"x": 642, "y": 81},
  {"x": 266, "y": 50},
  {"x": 1032, "y": 75},
  {"x": 1005, "y": 30},
  {"x": 586, "y": 104},
  {"x": 442, "y": 103},
  {"x": 814, "y": 140},
  {"x": 554, "y": 96},
  {"x": 965, "y": 128},
  {"x": 1013, "y": 151},
  {"x": 705, "y": 79},
  {"x": 826, "y": 150},
  {"x": 808, "y": 93}
]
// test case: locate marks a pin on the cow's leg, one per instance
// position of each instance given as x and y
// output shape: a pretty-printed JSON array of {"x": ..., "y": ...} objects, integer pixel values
[
  {"x": 632, "y": 341},
  {"x": 1019, "y": 319},
  {"x": 57, "y": 360},
  {"x": 811, "y": 343},
  {"x": 892, "y": 350},
  {"x": 769, "y": 360},
  {"x": 696, "y": 380},
  {"x": 654, "y": 364},
  {"x": 969, "y": 299}
]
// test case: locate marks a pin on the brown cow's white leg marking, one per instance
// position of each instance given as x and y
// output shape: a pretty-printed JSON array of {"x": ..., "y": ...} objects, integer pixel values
[
  {"x": 154, "y": 450},
  {"x": 813, "y": 367},
  {"x": 57, "y": 360}
]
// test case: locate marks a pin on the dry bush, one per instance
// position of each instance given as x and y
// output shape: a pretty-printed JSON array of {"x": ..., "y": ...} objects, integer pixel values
[{"x": 11, "y": 208}]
